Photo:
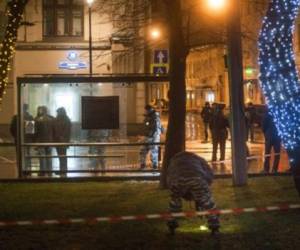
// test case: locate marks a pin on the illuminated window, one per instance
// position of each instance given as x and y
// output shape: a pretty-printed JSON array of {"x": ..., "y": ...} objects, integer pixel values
[
  {"x": 66, "y": 100},
  {"x": 210, "y": 96},
  {"x": 63, "y": 18}
]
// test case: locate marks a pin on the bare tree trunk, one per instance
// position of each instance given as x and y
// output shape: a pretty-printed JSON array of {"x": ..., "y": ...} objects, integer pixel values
[{"x": 175, "y": 139}]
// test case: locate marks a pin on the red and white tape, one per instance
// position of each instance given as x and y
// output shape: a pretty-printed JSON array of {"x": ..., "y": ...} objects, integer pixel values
[{"x": 164, "y": 216}]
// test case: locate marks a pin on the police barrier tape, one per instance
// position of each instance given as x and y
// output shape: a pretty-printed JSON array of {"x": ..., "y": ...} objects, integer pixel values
[{"x": 164, "y": 216}]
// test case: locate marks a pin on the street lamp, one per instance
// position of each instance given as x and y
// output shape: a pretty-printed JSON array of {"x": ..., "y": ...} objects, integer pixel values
[
  {"x": 90, "y": 2},
  {"x": 216, "y": 4},
  {"x": 155, "y": 33}
]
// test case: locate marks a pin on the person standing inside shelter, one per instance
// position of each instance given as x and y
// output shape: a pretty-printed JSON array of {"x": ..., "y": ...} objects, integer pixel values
[
  {"x": 44, "y": 124},
  {"x": 154, "y": 129},
  {"x": 28, "y": 133},
  {"x": 206, "y": 114},
  {"x": 218, "y": 126},
  {"x": 62, "y": 134},
  {"x": 272, "y": 141},
  {"x": 97, "y": 152}
]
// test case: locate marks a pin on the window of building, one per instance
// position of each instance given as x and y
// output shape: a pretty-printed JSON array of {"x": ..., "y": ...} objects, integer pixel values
[{"x": 63, "y": 18}]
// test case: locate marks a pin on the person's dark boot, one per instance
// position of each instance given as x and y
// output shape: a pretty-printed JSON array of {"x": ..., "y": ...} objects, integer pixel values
[
  {"x": 215, "y": 232},
  {"x": 172, "y": 224}
]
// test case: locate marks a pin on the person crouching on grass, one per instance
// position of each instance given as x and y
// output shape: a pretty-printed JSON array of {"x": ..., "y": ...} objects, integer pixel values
[{"x": 189, "y": 177}]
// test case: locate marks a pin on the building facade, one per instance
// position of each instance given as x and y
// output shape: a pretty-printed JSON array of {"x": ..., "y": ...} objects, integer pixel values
[
  {"x": 56, "y": 41},
  {"x": 207, "y": 74}
]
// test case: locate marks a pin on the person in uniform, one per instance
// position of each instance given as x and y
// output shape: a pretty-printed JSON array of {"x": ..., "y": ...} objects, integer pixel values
[
  {"x": 189, "y": 177},
  {"x": 154, "y": 129}
]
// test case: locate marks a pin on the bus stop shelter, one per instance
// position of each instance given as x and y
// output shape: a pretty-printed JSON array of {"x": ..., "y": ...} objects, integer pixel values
[{"x": 106, "y": 113}]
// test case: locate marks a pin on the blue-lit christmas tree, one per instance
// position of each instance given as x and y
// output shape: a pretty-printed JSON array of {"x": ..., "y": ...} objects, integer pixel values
[{"x": 279, "y": 77}]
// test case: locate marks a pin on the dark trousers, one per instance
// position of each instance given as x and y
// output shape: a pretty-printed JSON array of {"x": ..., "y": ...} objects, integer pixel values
[
  {"x": 294, "y": 156},
  {"x": 45, "y": 159},
  {"x": 63, "y": 160},
  {"x": 218, "y": 140},
  {"x": 206, "y": 126},
  {"x": 269, "y": 145}
]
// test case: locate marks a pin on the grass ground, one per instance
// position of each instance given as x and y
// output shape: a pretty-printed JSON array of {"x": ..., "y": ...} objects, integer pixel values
[{"x": 276, "y": 230}]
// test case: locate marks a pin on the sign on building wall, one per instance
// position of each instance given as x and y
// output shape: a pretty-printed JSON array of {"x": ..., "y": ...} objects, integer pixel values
[
  {"x": 159, "y": 69},
  {"x": 160, "y": 65},
  {"x": 73, "y": 62}
]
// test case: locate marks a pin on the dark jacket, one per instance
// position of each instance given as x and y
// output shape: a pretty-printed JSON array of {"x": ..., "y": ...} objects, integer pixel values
[
  {"x": 206, "y": 114},
  {"x": 62, "y": 129},
  {"x": 269, "y": 128},
  {"x": 218, "y": 125},
  {"x": 250, "y": 114},
  {"x": 44, "y": 128}
]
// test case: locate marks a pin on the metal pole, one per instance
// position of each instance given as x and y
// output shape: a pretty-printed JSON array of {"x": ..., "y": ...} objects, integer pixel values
[
  {"x": 90, "y": 40},
  {"x": 147, "y": 51},
  {"x": 19, "y": 131},
  {"x": 235, "y": 70}
]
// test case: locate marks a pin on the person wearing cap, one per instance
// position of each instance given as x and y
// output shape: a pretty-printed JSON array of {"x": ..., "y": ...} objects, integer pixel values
[{"x": 154, "y": 129}]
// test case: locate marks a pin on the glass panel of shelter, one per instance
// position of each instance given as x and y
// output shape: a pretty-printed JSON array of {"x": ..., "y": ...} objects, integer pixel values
[{"x": 40, "y": 103}]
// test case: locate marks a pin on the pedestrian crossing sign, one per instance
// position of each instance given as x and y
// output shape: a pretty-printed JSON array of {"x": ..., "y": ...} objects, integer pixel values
[{"x": 159, "y": 69}]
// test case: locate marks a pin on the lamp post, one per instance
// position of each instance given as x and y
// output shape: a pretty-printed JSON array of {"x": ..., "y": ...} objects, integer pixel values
[
  {"x": 90, "y": 2},
  {"x": 235, "y": 70}
]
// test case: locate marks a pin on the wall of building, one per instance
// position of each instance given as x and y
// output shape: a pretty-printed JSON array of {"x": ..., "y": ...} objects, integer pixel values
[
  {"x": 205, "y": 76},
  {"x": 206, "y": 72},
  {"x": 36, "y": 55}
]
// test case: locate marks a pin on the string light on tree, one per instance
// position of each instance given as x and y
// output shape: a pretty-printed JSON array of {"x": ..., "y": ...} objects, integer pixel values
[
  {"x": 279, "y": 77},
  {"x": 14, "y": 12}
]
